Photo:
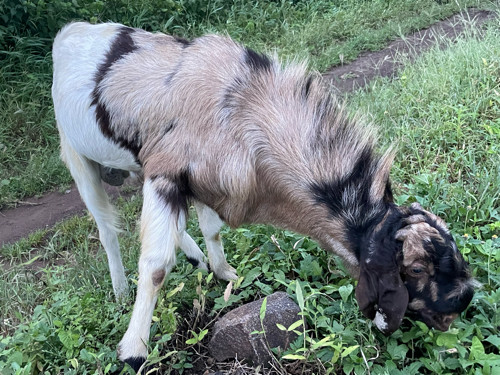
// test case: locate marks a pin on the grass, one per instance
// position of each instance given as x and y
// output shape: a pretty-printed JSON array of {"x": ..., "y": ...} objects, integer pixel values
[
  {"x": 326, "y": 32},
  {"x": 444, "y": 110}
]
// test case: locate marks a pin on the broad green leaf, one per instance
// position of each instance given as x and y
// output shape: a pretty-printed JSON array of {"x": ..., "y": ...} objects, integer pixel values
[
  {"x": 74, "y": 362},
  {"x": 107, "y": 368},
  {"x": 202, "y": 334},
  {"x": 495, "y": 340},
  {"x": 298, "y": 323},
  {"x": 349, "y": 350},
  {"x": 446, "y": 339},
  {"x": 210, "y": 277},
  {"x": 176, "y": 290},
  {"x": 345, "y": 291},
  {"x": 476, "y": 349}
]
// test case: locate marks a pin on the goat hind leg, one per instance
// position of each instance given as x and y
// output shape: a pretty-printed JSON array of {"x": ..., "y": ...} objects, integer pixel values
[
  {"x": 210, "y": 225},
  {"x": 87, "y": 177},
  {"x": 193, "y": 253}
]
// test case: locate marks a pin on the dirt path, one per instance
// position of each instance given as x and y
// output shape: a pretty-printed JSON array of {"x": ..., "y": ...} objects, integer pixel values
[
  {"x": 384, "y": 63},
  {"x": 43, "y": 212}
]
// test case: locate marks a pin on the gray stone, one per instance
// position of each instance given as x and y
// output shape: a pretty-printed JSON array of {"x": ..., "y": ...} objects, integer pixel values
[{"x": 232, "y": 336}]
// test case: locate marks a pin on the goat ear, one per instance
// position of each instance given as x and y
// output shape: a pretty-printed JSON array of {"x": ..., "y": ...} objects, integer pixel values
[{"x": 382, "y": 296}]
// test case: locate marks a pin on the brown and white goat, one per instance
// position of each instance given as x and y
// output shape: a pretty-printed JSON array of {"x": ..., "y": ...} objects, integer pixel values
[{"x": 247, "y": 140}]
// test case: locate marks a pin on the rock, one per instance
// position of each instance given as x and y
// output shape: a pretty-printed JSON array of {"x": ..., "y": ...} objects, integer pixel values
[{"x": 232, "y": 336}]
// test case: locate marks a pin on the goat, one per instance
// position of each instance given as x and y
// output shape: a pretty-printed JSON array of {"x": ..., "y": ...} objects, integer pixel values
[{"x": 247, "y": 140}]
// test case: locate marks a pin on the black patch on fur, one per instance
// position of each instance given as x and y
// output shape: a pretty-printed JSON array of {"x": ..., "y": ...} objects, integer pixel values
[
  {"x": 358, "y": 213},
  {"x": 257, "y": 61},
  {"x": 135, "y": 362},
  {"x": 388, "y": 197},
  {"x": 307, "y": 87},
  {"x": 358, "y": 180},
  {"x": 121, "y": 46},
  {"x": 171, "y": 125},
  {"x": 229, "y": 100},
  {"x": 184, "y": 42},
  {"x": 193, "y": 261},
  {"x": 178, "y": 195}
]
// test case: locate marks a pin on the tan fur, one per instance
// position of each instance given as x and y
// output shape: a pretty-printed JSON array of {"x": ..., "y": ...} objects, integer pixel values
[
  {"x": 417, "y": 304},
  {"x": 461, "y": 286},
  {"x": 414, "y": 236},
  {"x": 274, "y": 146},
  {"x": 434, "y": 290}
]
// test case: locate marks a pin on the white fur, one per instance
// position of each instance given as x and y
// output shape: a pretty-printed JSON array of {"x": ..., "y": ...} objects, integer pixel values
[
  {"x": 159, "y": 235},
  {"x": 380, "y": 321},
  {"x": 74, "y": 114},
  {"x": 86, "y": 175},
  {"x": 210, "y": 225}
]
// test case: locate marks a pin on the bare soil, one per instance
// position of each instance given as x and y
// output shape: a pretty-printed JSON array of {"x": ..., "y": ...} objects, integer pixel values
[
  {"x": 43, "y": 212},
  {"x": 386, "y": 62}
]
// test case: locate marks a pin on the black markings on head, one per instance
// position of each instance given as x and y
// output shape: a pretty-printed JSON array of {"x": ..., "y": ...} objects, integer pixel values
[
  {"x": 121, "y": 46},
  {"x": 257, "y": 61},
  {"x": 451, "y": 274}
]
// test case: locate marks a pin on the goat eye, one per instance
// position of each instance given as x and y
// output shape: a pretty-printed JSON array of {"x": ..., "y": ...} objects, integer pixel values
[{"x": 416, "y": 270}]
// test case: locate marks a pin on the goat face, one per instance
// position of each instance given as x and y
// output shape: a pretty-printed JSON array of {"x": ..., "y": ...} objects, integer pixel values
[
  {"x": 412, "y": 266},
  {"x": 435, "y": 274}
]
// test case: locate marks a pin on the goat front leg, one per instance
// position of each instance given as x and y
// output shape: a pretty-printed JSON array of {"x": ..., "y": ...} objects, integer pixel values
[{"x": 162, "y": 222}]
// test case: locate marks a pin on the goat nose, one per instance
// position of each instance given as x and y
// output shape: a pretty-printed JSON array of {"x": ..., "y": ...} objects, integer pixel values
[{"x": 446, "y": 321}]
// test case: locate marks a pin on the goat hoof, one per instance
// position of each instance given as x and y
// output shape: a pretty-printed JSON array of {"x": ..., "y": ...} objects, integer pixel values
[
  {"x": 228, "y": 274},
  {"x": 135, "y": 362}
]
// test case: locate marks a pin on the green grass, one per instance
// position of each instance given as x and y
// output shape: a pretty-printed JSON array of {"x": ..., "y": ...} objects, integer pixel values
[
  {"x": 326, "y": 32},
  {"x": 444, "y": 110}
]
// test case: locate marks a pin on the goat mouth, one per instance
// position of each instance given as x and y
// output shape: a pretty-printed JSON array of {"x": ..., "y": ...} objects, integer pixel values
[{"x": 434, "y": 320}]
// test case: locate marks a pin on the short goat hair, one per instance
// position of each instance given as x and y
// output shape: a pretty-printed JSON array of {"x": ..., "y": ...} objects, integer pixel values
[{"x": 245, "y": 139}]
